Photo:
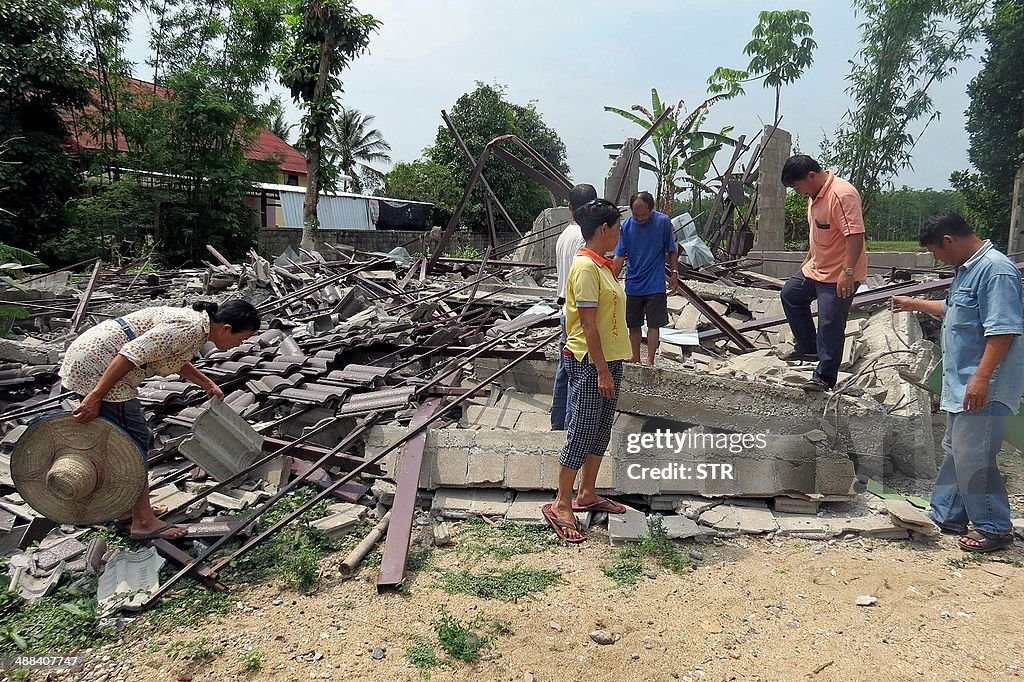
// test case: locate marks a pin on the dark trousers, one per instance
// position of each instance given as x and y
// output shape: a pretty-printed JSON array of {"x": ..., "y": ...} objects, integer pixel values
[{"x": 833, "y": 312}]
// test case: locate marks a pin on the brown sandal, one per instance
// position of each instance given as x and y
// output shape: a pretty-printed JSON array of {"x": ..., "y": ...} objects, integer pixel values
[
  {"x": 980, "y": 541},
  {"x": 560, "y": 526}
]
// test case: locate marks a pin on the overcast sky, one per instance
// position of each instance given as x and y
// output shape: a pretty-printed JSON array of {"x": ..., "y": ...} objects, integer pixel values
[{"x": 574, "y": 57}]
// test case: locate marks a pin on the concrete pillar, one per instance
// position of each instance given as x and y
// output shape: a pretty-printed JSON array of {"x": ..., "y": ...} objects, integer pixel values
[
  {"x": 771, "y": 194},
  {"x": 620, "y": 168},
  {"x": 1015, "y": 242}
]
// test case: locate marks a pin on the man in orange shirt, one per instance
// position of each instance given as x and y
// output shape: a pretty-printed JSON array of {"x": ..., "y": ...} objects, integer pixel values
[{"x": 835, "y": 265}]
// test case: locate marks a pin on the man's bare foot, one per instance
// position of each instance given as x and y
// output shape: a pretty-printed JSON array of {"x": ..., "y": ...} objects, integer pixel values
[{"x": 635, "y": 358}]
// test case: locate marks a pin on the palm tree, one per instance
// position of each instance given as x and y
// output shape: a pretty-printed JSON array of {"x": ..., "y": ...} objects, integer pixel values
[
  {"x": 355, "y": 145},
  {"x": 682, "y": 151},
  {"x": 281, "y": 127}
]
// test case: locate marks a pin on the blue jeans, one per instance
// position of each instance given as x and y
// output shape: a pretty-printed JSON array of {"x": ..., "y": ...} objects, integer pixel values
[
  {"x": 969, "y": 486},
  {"x": 833, "y": 312},
  {"x": 560, "y": 393}
]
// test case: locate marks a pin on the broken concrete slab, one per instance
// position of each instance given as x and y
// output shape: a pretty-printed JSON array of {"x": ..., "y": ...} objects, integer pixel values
[
  {"x": 808, "y": 526},
  {"x": 460, "y": 504},
  {"x": 1018, "y": 527},
  {"x": 384, "y": 491},
  {"x": 629, "y": 527},
  {"x": 683, "y": 528},
  {"x": 527, "y": 509},
  {"x": 63, "y": 550},
  {"x": 29, "y": 581},
  {"x": 442, "y": 534},
  {"x": 740, "y": 518},
  {"x": 128, "y": 580},
  {"x": 796, "y": 505},
  {"x": 692, "y": 506},
  {"x": 912, "y": 518}
]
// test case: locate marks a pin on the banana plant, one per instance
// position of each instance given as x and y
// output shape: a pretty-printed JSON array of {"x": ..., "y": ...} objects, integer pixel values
[{"x": 681, "y": 153}]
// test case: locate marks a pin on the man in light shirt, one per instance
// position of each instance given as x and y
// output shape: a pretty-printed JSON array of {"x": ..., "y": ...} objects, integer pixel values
[
  {"x": 835, "y": 265},
  {"x": 568, "y": 245}
]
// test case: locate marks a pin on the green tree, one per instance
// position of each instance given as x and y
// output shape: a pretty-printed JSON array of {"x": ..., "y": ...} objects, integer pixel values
[
  {"x": 995, "y": 123},
  {"x": 38, "y": 78},
  {"x": 425, "y": 181},
  {"x": 780, "y": 50},
  {"x": 323, "y": 38},
  {"x": 188, "y": 133},
  {"x": 277, "y": 123},
  {"x": 682, "y": 151},
  {"x": 906, "y": 47},
  {"x": 354, "y": 145},
  {"x": 480, "y": 116}
]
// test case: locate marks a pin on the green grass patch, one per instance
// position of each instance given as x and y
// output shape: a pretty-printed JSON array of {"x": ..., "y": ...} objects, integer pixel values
[
  {"x": 421, "y": 654},
  {"x": 294, "y": 553},
  {"x": 506, "y": 585},
  {"x": 977, "y": 559},
  {"x": 187, "y": 607},
  {"x": 502, "y": 540},
  {"x": 252, "y": 661},
  {"x": 629, "y": 565},
  {"x": 461, "y": 640},
  {"x": 196, "y": 651},
  {"x": 57, "y": 624}
]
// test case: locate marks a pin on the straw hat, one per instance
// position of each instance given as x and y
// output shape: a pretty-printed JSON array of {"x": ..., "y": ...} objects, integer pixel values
[{"x": 77, "y": 473}]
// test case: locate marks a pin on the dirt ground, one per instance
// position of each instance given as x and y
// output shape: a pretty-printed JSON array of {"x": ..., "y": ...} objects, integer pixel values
[{"x": 751, "y": 609}]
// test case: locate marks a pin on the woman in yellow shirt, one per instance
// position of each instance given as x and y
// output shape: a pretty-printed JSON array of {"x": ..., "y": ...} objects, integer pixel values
[{"x": 597, "y": 343}]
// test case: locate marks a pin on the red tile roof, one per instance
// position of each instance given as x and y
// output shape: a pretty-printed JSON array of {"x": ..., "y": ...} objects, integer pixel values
[{"x": 265, "y": 146}]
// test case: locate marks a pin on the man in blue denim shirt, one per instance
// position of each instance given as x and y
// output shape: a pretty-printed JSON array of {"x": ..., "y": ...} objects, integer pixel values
[{"x": 982, "y": 379}]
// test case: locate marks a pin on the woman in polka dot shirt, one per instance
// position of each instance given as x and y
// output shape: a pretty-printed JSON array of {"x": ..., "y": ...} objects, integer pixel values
[{"x": 106, "y": 364}]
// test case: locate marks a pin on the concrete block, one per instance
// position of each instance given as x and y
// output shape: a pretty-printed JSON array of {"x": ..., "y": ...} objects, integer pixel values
[
  {"x": 451, "y": 466},
  {"x": 526, "y": 508},
  {"x": 910, "y": 517},
  {"x": 606, "y": 475},
  {"x": 550, "y": 470},
  {"x": 1018, "y": 527},
  {"x": 459, "y": 504},
  {"x": 628, "y": 527},
  {"x": 795, "y": 505},
  {"x": 744, "y": 519},
  {"x": 442, "y": 534},
  {"x": 337, "y": 525},
  {"x": 523, "y": 472},
  {"x": 871, "y": 525},
  {"x": 676, "y": 303},
  {"x": 833, "y": 476},
  {"x": 486, "y": 468}
]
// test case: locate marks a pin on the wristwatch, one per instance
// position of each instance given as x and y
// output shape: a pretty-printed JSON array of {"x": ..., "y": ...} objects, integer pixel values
[{"x": 848, "y": 271}]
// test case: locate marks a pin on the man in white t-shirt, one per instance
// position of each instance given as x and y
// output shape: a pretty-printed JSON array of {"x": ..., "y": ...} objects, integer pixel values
[{"x": 568, "y": 245}]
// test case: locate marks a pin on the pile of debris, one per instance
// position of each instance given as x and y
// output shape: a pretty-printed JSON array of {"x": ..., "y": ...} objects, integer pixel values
[{"x": 378, "y": 378}]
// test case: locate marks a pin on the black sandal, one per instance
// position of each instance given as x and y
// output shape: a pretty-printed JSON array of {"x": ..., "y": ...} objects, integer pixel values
[{"x": 985, "y": 542}]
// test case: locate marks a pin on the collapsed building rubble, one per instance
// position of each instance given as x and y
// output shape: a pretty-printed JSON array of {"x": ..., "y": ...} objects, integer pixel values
[
  {"x": 392, "y": 382},
  {"x": 378, "y": 380}
]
